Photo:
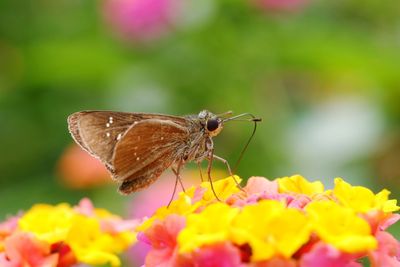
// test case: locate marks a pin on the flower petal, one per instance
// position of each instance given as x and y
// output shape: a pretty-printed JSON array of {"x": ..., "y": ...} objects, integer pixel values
[
  {"x": 388, "y": 252},
  {"x": 298, "y": 184},
  {"x": 23, "y": 249},
  {"x": 327, "y": 256}
]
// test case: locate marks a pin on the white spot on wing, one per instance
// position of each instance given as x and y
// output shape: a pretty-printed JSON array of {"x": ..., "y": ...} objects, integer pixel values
[
  {"x": 119, "y": 136},
  {"x": 108, "y": 134},
  {"x": 162, "y": 138},
  {"x": 107, "y": 125},
  {"x": 137, "y": 158}
]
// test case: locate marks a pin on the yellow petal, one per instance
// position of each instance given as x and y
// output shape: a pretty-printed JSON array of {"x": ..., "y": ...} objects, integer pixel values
[
  {"x": 340, "y": 227},
  {"x": 298, "y": 184},
  {"x": 48, "y": 223},
  {"x": 361, "y": 199},
  {"x": 271, "y": 229},
  {"x": 210, "y": 226}
]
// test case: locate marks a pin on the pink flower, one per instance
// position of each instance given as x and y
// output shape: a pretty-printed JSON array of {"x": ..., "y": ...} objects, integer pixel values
[
  {"x": 380, "y": 221},
  {"x": 8, "y": 227},
  {"x": 219, "y": 255},
  {"x": 116, "y": 225},
  {"x": 85, "y": 207},
  {"x": 112, "y": 225},
  {"x": 259, "y": 188},
  {"x": 256, "y": 185},
  {"x": 299, "y": 202},
  {"x": 324, "y": 255},
  {"x": 256, "y": 188},
  {"x": 141, "y": 20},
  {"x": 157, "y": 195},
  {"x": 22, "y": 249},
  {"x": 388, "y": 221},
  {"x": 388, "y": 252},
  {"x": 162, "y": 237}
]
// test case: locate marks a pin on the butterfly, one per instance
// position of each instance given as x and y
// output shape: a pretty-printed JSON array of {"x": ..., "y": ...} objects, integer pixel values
[{"x": 137, "y": 148}]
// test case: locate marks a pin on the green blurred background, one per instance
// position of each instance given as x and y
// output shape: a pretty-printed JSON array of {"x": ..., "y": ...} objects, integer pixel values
[{"x": 323, "y": 75}]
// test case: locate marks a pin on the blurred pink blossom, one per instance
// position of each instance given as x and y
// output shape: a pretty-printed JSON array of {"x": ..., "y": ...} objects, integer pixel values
[
  {"x": 112, "y": 224},
  {"x": 8, "y": 227},
  {"x": 85, "y": 207},
  {"x": 141, "y": 20}
]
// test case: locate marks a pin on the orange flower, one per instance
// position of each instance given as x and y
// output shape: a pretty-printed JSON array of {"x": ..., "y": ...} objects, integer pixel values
[{"x": 78, "y": 169}]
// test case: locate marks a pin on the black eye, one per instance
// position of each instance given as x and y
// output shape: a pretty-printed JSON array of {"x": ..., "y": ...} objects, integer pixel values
[{"x": 212, "y": 124}]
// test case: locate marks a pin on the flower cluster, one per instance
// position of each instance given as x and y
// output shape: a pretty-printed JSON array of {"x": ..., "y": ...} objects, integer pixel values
[
  {"x": 287, "y": 222},
  {"x": 62, "y": 236}
]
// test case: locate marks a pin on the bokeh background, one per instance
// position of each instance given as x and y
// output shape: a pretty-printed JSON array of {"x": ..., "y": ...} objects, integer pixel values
[{"x": 323, "y": 75}]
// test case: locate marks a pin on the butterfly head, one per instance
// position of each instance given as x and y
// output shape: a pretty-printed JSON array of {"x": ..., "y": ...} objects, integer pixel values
[{"x": 212, "y": 123}]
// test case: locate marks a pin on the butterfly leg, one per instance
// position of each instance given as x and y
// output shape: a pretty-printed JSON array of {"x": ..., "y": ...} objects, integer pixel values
[
  {"x": 229, "y": 169},
  {"x": 178, "y": 178},
  {"x": 210, "y": 161},
  {"x": 201, "y": 173}
]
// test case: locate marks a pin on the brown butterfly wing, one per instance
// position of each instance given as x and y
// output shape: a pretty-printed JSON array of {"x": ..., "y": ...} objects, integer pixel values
[
  {"x": 98, "y": 132},
  {"x": 145, "y": 151}
]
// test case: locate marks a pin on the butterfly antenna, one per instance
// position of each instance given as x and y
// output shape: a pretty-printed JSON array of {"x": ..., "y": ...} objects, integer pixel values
[{"x": 253, "y": 119}]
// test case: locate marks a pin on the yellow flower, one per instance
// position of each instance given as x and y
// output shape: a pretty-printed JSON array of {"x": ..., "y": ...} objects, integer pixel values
[
  {"x": 361, "y": 199},
  {"x": 90, "y": 245},
  {"x": 48, "y": 223},
  {"x": 185, "y": 205},
  {"x": 298, "y": 184},
  {"x": 210, "y": 226},
  {"x": 224, "y": 188},
  {"x": 270, "y": 229},
  {"x": 340, "y": 227},
  {"x": 84, "y": 234}
]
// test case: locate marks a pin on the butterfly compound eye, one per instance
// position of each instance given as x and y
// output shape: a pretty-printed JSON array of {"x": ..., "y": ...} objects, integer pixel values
[{"x": 212, "y": 124}]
